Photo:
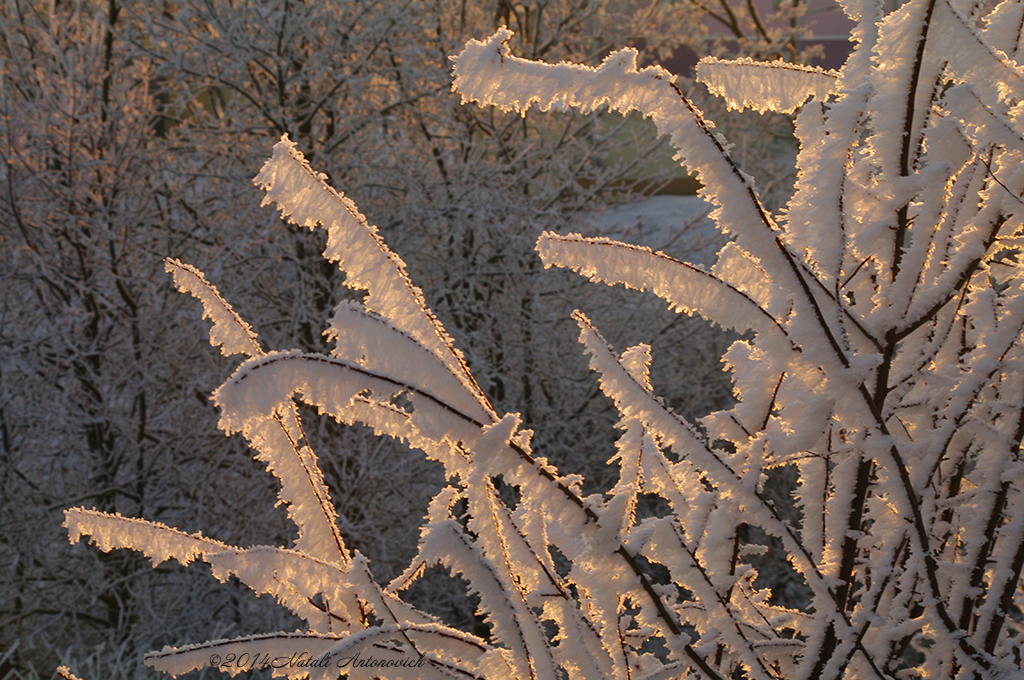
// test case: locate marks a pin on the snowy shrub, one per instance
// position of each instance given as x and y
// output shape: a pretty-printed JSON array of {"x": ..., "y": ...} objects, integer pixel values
[
  {"x": 881, "y": 361},
  {"x": 129, "y": 131}
]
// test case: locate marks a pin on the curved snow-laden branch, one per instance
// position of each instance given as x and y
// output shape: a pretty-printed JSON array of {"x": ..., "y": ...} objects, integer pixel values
[
  {"x": 160, "y": 543},
  {"x": 305, "y": 198},
  {"x": 229, "y": 331},
  {"x": 766, "y": 85},
  {"x": 263, "y": 386},
  {"x": 685, "y": 287},
  {"x": 377, "y": 345},
  {"x": 388, "y": 419},
  {"x": 285, "y": 450},
  {"x": 156, "y": 541}
]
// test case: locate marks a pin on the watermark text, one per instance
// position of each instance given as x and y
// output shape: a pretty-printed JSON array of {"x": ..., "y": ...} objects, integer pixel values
[{"x": 246, "y": 661}]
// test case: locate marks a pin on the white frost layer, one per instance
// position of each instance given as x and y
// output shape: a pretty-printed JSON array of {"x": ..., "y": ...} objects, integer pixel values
[{"x": 765, "y": 85}]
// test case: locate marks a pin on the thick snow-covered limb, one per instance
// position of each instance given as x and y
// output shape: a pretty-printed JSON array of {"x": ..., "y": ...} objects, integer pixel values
[
  {"x": 263, "y": 386},
  {"x": 765, "y": 86}
]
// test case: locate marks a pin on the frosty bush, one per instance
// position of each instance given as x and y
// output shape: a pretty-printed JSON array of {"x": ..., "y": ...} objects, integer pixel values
[
  {"x": 882, "y": 361},
  {"x": 129, "y": 131}
]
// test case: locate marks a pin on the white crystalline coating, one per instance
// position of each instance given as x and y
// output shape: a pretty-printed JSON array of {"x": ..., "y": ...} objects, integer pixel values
[
  {"x": 972, "y": 58},
  {"x": 765, "y": 85},
  {"x": 862, "y": 11},
  {"x": 256, "y": 401},
  {"x": 900, "y": 87},
  {"x": 293, "y": 578},
  {"x": 740, "y": 271},
  {"x": 375, "y": 344},
  {"x": 263, "y": 386},
  {"x": 305, "y": 198},
  {"x": 619, "y": 512},
  {"x": 637, "y": 360},
  {"x": 1003, "y": 28},
  {"x": 734, "y": 626},
  {"x": 817, "y": 220},
  {"x": 502, "y": 604},
  {"x": 756, "y": 381},
  {"x": 387, "y": 419},
  {"x": 234, "y": 335},
  {"x": 983, "y": 123},
  {"x": 927, "y": 216},
  {"x": 579, "y": 650},
  {"x": 685, "y": 287},
  {"x": 514, "y": 579},
  {"x": 156, "y": 541},
  {"x": 634, "y": 402}
]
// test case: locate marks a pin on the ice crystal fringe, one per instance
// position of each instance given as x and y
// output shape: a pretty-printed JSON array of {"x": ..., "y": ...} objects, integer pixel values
[{"x": 884, "y": 313}]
